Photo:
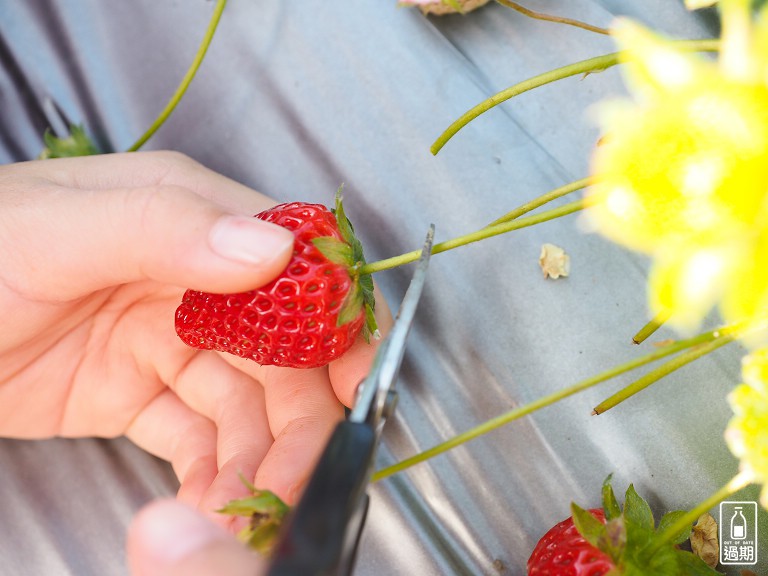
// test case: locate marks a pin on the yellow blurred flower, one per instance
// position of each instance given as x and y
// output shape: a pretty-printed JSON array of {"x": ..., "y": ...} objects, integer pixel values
[
  {"x": 683, "y": 172},
  {"x": 695, "y": 4},
  {"x": 747, "y": 433}
]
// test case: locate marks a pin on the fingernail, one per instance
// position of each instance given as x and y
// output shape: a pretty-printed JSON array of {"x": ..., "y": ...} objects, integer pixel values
[
  {"x": 249, "y": 240},
  {"x": 171, "y": 531}
]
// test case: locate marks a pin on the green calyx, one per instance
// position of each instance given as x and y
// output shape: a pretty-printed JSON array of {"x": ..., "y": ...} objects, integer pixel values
[
  {"x": 76, "y": 144},
  {"x": 349, "y": 252},
  {"x": 266, "y": 512},
  {"x": 629, "y": 537}
]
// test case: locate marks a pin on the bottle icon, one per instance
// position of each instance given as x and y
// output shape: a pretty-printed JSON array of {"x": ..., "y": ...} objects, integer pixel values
[{"x": 738, "y": 525}]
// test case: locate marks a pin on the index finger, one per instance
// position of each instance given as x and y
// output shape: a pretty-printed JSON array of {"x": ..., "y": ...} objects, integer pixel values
[{"x": 145, "y": 169}]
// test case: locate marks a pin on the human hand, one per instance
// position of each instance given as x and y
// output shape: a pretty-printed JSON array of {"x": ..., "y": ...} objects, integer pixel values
[{"x": 97, "y": 252}]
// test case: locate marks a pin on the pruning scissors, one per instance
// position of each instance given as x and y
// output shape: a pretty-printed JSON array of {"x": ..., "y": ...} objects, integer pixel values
[{"x": 321, "y": 534}]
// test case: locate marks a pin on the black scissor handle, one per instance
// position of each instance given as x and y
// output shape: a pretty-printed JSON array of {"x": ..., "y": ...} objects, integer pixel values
[{"x": 319, "y": 537}]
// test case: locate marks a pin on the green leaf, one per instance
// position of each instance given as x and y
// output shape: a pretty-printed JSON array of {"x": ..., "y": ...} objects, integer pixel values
[
  {"x": 248, "y": 484},
  {"x": 347, "y": 230},
  {"x": 76, "y": 144},
  {"x": 361, "y": 294},
  {"x": 260, "y": 538},
  {"x": 266, "y": 512},
  {"x": 371, "y": 326},
  {"x": 244, "y": 506},
  {"x": 352, "y": 304},
  {"x": 668, "y": 519},
  {"x": 263, "y": 502},
  {"x": 663, "y": 563},
  {"x": 638, "y": 540},
  {"x": 335, "y": 250},
  {"x": 691, "y": 565},
  {"x": 366, "y": 283},
  {"x": 345, "y": 226},
  {"x": 637, "y": 510},
  {"x": 590, "y": 528},
  {"x": 610, "y": 504}
]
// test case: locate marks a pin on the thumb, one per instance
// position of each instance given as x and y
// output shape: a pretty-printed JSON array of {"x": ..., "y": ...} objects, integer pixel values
[
  {"x": 70, "y": 243},
  {"x": 168, "y": 538}
]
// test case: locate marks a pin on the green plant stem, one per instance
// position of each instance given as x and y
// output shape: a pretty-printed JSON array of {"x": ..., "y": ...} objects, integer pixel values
[
  {"x": 655, "y": 323},
  {"x": 499, "y": 226},
  {"x": 545, "y": 401},
  {"x": 722, "y": 337},
  {"x": 556, "y": 19},
  {"x": 596, "y": 64},
  {"x": 661, "y": 372},
  {"x": 186, "y": 81},
  {"x": 481, "y": 234},
  {"x": 543, "y": 199},
  {"x": 741, "y": 480}
]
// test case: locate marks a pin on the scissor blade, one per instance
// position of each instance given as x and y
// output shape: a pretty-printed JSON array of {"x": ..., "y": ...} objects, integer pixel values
[
  {"x": 387, "y": 362},
  {"x": 407, "y": 310},
  {"x": 321, "y": 534}
]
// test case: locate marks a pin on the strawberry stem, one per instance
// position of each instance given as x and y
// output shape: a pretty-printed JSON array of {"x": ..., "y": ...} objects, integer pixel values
[
  {"x": 545, "y": 401},
  {"x": 556, "y": 19},
  {"x": 660, "y": 372},
  {"x": 186, "y": 81},
  {"x": 722, "y": 337},
  {"x": 654, "y": 324},
  {"x": 685, "y": 521},
  {"x": 543, "y": 199},
  {"x": 596, "y": 64},
  {"x": 487, "y": 232}
]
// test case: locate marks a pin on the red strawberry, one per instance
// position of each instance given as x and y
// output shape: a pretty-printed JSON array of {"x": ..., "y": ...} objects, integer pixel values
[
  {"x": 309, "y": 315},
  {"x": 563, "y": 551},
  {"x": 617, "y": 542}
]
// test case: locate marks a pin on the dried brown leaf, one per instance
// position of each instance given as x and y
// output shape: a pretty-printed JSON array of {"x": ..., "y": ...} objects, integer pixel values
[{"x": 704, "y": 540}]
